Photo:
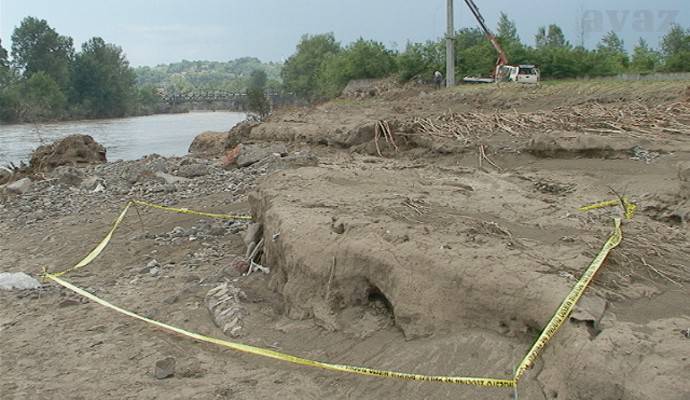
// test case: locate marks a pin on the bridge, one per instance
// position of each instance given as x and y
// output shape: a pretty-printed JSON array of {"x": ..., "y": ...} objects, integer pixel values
[{"x": 231, "y": 100}]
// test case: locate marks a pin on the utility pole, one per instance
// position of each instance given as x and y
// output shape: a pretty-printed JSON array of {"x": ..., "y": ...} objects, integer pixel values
[{"x": 450, "y": 47}]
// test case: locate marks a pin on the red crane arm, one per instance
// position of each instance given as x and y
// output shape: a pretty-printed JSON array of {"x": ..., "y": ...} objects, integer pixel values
[{"x": 502, "y": 58}]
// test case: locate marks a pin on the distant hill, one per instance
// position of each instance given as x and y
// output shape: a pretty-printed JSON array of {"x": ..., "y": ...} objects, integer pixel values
[{"x": 186, "y": 75}]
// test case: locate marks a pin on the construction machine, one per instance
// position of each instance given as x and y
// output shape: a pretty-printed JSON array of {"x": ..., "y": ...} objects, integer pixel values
[{"x": 503, "y": 72}]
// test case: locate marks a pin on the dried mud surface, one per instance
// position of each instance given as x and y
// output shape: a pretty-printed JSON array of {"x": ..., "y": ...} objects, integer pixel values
[{"x": 428, "y": 259}]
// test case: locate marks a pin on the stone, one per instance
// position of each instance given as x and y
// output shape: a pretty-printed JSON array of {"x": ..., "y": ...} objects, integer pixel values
[
  {"x": 90, "y": 183},
  {"x": 17, "y": 281},
  {"x": 68, "y": 176},
  {"x": 253, "y": 234},
  {"x": 238, "y": 133},
  {"x": 164, "y": 368},
  {"x": 169, "y": 179},
  {"x": 224, "y": 304},
  {"x": 19, "y": 187},
  {"x": 252, "y": 153},
  {"x": 193, "y": 170},
  {"x": 208, "y": 144},
  {"x": 74, "y": 150}
]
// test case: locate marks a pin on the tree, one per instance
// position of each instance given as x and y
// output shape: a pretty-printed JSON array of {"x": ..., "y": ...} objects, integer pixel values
[
  {"x": 420, "y": 60},
  {"x": 301, "y": 70},
  {"x": 103, "y": 84},
  {"x": 676, "y": 49},
  {"x": 554, "y": 37},
  {"x": 644, "y": 59},
  {"x": 677, "y": 40},
  {"x": 507, "y": 31},
  {"x": 4, "y": 67},
  {"x": 42, "y": 98},
  {"x": 36, "y": 47},
  {"x": 257, "y": 101},
  {"x": 612, "y": 52},
  {"x": 363, "y": 59},
  {"x": 611, "y": 43}
]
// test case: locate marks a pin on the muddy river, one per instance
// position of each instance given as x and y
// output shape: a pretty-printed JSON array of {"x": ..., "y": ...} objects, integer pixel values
[{"x": 124, "y": 138}]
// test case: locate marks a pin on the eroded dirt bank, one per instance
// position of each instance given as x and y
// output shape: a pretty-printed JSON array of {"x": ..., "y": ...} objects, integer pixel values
[{"x": 445, "y": 254}]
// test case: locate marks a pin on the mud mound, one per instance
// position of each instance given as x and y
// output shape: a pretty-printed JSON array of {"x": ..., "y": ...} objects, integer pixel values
[
  {"x": 74, "y": 150},
  {"x": 454, "y": 250},
  {"x": 208, "y": 144}
]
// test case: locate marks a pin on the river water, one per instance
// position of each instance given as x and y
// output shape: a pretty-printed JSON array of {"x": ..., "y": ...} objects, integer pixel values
[{"x": 123, "y": 138}]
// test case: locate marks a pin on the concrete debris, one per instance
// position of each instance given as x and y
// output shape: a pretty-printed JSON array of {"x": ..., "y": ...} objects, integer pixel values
[
  {"x": 19, "y": 187},
  {"x": 253, "y": 153},
  {"x": 17, "y": 281},
  {"x": 224, "y": 304}
]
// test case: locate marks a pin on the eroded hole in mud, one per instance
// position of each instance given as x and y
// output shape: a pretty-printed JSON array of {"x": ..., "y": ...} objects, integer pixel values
[
  {"x": 592, "y": 327},
  {"x": 379, "y": 302}
]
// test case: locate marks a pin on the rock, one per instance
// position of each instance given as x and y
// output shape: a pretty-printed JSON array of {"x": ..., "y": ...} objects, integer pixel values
[
  {"x": 5, "y": 175},
  {"x": 230, "y": 158},
  {"x": 90, "y": 183},
  {"x": 74, "y": 150},
  {"x": 295, "y": 160},
  {"x": 193, "y": 170},
  {"x": 253, "y": 234},
  {"x": 684, "y": 176},
  {"x": 224, "y": 304},
  {"x": 170, "y": 179},
  {"x": 253, "y": 153},
  {"x": 17, "y": 280},
  {"x": 68, "y": 176},
  {"x": 19, "y": 187},
  {"x": 164, "y": 368},
  {"x": 238, "y": 133},
  {"x": 208, "y": 144},
  {"x": 152, "y": 268}
]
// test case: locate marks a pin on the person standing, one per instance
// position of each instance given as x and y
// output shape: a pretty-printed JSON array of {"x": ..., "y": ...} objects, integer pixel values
[{"x": 438, "y": 79}]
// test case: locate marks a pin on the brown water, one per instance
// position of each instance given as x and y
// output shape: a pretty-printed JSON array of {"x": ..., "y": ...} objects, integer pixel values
[{"x": 124, "y": 138}]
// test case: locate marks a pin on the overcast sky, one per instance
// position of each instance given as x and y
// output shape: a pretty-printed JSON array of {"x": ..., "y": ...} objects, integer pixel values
[{"x": 162, "y": 31}]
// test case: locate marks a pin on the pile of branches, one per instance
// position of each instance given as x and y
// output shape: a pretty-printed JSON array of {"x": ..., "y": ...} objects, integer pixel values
[{"x": 632, "y": 119}]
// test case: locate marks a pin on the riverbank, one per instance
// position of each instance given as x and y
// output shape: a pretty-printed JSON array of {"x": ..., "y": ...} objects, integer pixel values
[
  {"x": 124, "y": 138},
  {"x": 416, "y": 231}
]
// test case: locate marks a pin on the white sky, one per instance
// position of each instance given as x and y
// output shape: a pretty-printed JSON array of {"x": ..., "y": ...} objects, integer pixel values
[{"x": 161, "y": 31}]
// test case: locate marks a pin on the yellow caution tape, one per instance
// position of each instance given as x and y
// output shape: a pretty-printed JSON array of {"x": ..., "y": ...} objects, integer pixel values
[
  {"x": 287, "y": 357},
  {"x": 99, "y": 248},
  {"x": 568, "y": 304},
  {"x": 628, "y": 206},
  {"x": 549, "y": 331},
  {"x": 191, "y": 212}
]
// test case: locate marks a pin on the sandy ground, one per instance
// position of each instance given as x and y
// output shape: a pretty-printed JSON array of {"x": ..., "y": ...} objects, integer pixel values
[{"x": 441, "y": 267}]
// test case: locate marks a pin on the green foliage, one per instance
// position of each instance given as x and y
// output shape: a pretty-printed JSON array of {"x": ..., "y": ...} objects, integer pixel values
[
  {"x": 554, "y": 37},
  {"x": 507, "y": 31},
  {"x": 257, "y": 102},
  {"x": 4, "y": 68},
  {"x": 301, "y": 71},
  {"x": 676, "y": 50},
  {"x": 363, "y": 59},
  {"x": 42, "y": 98},
  {"x": 421, "y": 60},
  {"x": 36, "y": 47},
  {"x": 208, "y": 75},
  {"x": 102, "y": 81},
  {"x": 644, "y": 59}
]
